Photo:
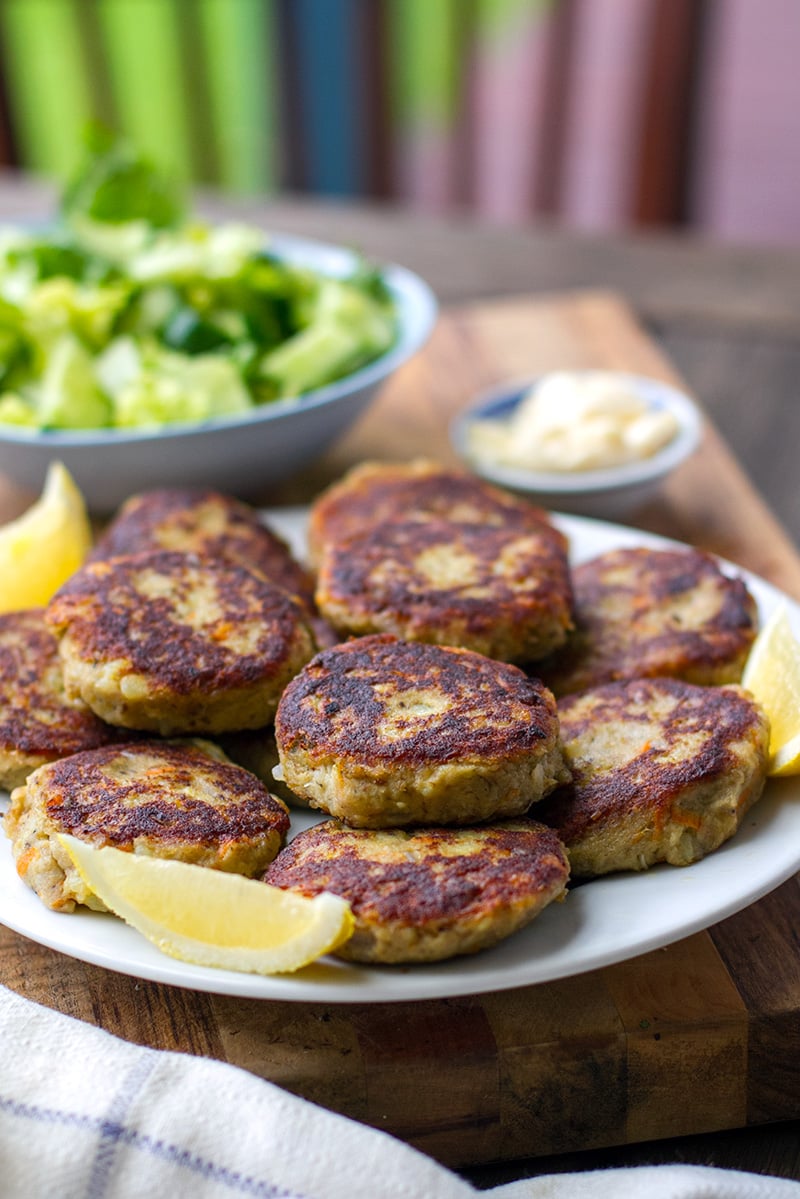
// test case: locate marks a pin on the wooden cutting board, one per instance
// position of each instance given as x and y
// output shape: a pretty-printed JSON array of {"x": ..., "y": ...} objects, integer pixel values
[{"x": 700, "y": 1036}]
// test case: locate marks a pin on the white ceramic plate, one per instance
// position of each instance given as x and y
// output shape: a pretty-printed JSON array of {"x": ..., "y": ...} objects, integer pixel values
[{"x": 602, "y": 922}]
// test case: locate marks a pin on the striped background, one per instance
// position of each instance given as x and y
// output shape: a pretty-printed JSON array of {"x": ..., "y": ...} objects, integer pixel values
[{"x": 600, "y": 113}]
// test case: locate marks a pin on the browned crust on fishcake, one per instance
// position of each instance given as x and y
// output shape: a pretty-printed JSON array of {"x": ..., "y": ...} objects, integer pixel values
[
  {"x": 207, "y": 523},
  {"x": 117, "y": 795},
  {"x": 108, "y": 617},
  {"x": 662, "y": 770},
  {"x": 430, "y": 893},
  {"x": 382, "y": 732},
  {"x": 172, "y": 800},
  {"x": 501, "y": 591},
  {"x": 493, "y": 708},
  {"x": 215, "y": 525},
  {"x": 645, "y": 613},
  {"x": 374, "y": 492},
  {"x": 135, "y": 617},
  {"x": 37, "y": 722}
]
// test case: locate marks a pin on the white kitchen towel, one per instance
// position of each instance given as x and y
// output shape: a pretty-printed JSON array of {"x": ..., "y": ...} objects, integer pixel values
[{"x": 84, "y": 1115}]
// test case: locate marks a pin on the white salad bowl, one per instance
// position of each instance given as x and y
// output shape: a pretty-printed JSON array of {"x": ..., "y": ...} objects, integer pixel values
[
  {"x": 241, "y": 454},
  {"x": 611, "y": 493}
]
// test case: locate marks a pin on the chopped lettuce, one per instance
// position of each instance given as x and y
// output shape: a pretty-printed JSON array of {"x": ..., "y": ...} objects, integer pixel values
[
  {"x": 16, "y": 349},
  {"x": 69, "y": 397},
  {"x": 344, "y": 331},
  {"x": 172, "y": 388},
  {"x": 125, "y": 314},
  {"x": 14, "y": 410},
  {"x": 200, "y": 252},
  {"x": 58, "y": 306},
  {"x": 115, "y": 185}
]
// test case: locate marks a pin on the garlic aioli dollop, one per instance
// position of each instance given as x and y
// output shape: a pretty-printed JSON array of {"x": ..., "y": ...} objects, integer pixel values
[{"x": 574, "y": 421}]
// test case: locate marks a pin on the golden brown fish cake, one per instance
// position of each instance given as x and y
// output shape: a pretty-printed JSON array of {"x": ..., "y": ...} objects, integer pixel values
[
  {"x": 165, "y": 800},
  {"x": 643, "y": 613},
  {"x": 431, "y": 893},
  {"x": 209, "y": 523},
  {"x": 384, "y": 733},
  {"x": 206, "y": 523},
  {"x": 374, "y": 492},
  {"x": 503, "y": 592},
  {"x": 662, "y": 771},
  {"x": 37, "y": 722},
  {"x": 173, "y": 643}
]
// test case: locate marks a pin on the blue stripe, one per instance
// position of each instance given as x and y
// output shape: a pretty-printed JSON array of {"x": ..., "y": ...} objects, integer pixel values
[
  {"x": 111, "y": 1127},
  {"x": 328, "y": 76},
  {"x": 130, "y": 1138}
]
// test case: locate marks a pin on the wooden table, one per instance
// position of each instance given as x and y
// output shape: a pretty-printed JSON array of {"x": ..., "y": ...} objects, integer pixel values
[{"x": 749, "y": 965}]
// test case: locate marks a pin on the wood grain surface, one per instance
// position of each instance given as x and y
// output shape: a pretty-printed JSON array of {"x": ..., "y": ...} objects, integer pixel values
[{"x": 700, "y": 1036}]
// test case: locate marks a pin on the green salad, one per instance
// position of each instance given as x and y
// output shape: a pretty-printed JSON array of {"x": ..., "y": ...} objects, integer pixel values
[{"x": 127, "y": 314}]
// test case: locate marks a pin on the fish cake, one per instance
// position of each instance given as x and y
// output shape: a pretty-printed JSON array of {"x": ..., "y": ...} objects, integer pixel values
[
  {"x": 662, "y": 771},
  {"x": 210, "y": 524},
  {"x": 173, "y": 643},
  {"x": 502, "y": 591},
  {"x": 429, "y": 893},
  {"x": 374, "y": 492},
  {"x": 643, "y": 613},
  {"x": 385, "y": 733},
  {"x": 176, "y": 800},
  {"x": 37, "y": 722}
]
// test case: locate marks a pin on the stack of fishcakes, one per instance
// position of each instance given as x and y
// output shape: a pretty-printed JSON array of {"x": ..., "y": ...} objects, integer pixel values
[
  {"x": 436, "y": 555},
  {"x": 665, "y": 753},
  {"x": 428, "y": 757},
  {"x": 188, "y": 620},
  {"x": 419, "y": 736}
]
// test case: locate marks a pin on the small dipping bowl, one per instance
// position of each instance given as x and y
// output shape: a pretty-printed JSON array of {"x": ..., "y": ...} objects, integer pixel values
[{"x": 611, "y": 492}]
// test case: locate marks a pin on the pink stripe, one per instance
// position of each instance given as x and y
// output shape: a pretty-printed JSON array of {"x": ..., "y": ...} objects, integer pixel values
[
  {"x": 424, "y": 168},
  {"x": 605, "y": 89},
  {"x": 748, "y": 164},
  {"x": 508, "y": 99}
]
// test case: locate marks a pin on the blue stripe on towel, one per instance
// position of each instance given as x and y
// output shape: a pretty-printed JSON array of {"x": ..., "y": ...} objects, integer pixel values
[{"x": 131, "y": 1138}]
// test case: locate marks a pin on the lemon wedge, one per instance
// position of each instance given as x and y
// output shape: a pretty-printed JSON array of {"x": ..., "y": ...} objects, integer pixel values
[
  {"x": 209, "y": 917},
  {"x": 43, "y": 547},
  {"x": 772, "y": 674}
]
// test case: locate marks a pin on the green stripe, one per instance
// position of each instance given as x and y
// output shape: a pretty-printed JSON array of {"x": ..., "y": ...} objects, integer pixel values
[
  {"x": 239, "y": 40},
  {"x": 196, "y": 92},
  {"x": 496, "y": 18},
  {"x": 424, "y": 45},
  {"x": 49, "y": 97},
  {"x": 141, "y": 37}
]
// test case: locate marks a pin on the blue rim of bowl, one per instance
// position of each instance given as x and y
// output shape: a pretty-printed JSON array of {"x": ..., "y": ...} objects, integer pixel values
[
  {"x": 500, "y": 402},
  {"x": 417, "y": 310}
]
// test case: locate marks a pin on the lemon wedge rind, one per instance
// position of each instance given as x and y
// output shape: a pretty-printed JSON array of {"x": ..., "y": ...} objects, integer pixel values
[
  {"x": 210, "y": 917},
  {"x": 787, "y": 759}
]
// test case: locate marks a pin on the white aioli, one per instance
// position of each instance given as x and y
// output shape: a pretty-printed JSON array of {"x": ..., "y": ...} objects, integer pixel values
[{"x": 574, "y": 421}]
